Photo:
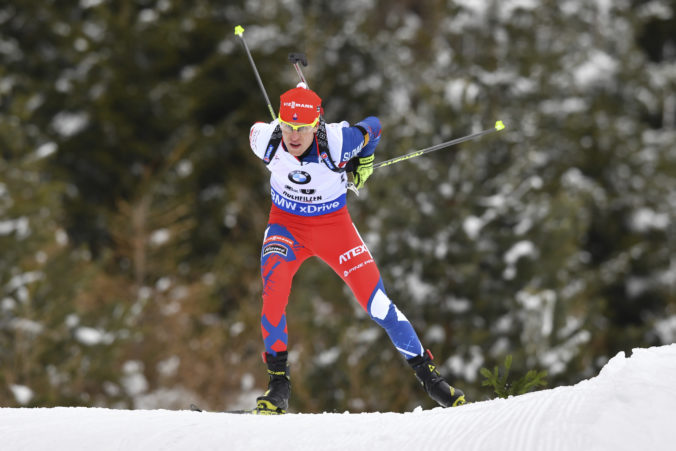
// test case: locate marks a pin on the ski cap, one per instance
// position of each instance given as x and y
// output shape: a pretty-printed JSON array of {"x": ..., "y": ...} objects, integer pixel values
[{"x": 300, "y": 105}]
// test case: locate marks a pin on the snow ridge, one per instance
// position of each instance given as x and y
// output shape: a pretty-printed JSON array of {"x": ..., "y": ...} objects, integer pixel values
[{"x": 630, "y": 405}]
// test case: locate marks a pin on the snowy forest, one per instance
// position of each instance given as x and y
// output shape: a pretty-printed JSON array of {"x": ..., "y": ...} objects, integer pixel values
[{"x": 132, "y": 209}]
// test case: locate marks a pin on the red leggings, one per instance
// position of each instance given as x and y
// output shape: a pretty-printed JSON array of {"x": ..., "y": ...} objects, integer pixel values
[{"x": 290, "y": 239}]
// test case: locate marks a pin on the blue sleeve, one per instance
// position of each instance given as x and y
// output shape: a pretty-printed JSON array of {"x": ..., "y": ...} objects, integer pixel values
[
  {"x": 353, "y": 139},
  {"x": 372, "y": 126}
]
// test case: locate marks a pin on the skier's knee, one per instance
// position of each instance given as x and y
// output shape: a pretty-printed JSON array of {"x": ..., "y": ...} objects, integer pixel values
[{"x": 383, "y": 311}]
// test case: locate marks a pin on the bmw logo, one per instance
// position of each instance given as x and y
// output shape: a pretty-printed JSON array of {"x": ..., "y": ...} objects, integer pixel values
[{"x": 300, "y": 177}]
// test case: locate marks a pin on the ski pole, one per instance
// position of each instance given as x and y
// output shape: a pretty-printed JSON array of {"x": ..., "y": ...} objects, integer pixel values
[
  {"x": 295, "y": 58},
  {"x": 239, "y": 31},
  {"x": 498, "y": 126}
]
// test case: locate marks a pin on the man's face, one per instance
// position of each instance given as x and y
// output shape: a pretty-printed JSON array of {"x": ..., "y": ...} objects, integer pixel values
[{"x": 298, "y": 141}]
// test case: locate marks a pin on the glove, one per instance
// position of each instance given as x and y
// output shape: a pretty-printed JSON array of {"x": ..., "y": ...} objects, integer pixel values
[{"x": 362, "y": 171}]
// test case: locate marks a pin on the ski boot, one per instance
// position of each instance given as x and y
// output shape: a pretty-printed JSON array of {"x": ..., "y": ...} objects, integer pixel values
[
  {"x": 435, "y": 385},
  {"x": 275, "y": 401}
]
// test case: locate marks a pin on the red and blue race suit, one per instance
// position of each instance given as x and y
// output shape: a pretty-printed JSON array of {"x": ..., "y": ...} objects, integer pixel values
[{"x": 309, "y": 218}]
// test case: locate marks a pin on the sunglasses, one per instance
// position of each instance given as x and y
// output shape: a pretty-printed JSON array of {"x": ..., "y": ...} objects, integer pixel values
[{"x": 300, "y": 128}]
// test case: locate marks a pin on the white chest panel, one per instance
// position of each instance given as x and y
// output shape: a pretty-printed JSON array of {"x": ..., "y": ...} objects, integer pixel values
[{"x": 306, "y": 189}]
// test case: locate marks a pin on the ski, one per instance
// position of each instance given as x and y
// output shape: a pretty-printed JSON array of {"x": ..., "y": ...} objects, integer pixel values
[
  {"x": 196, "y": 408},
  {"x": 263, "y": 408}
]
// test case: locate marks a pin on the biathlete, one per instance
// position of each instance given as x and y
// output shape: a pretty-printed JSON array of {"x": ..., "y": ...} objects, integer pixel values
[{"x": 308, "y": 160}]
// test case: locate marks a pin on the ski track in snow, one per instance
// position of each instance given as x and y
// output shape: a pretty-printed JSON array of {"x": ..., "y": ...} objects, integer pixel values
[{"x": 631, "y": 405}]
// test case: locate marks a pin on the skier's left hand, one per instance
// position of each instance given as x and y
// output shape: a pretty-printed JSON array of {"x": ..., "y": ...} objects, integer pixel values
[{"x": 363, "y": 169}]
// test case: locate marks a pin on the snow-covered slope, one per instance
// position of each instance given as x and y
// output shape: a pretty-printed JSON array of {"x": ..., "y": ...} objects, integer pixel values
[{"x": 630, "y": 405}]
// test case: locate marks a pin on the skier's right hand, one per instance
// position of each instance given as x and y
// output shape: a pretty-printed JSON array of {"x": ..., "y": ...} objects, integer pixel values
[{"x": 363, "y": 170}]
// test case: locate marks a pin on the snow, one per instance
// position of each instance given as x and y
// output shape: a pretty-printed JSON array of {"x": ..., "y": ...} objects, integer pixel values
[
  {"x": 598, "y": 69},
  {"x": 22, "y": 394},
  {"x": 68, "y": 124},
  {"x": 160, "y": 237},
  {"x": 645, "y": 219},
  {"x": 90, "y": 3},
  {"x": 134, "y": 381},
  {"x": 630, "y": 405},
  {"x": 472, "y": 226},
  {"x": 45, "y": 150},
  {"x": 21, "y": 226},
  {"x": 89, "y": 336},
  {"x": 666, "y": 329},
  {"x": 523, "y": 248}
]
